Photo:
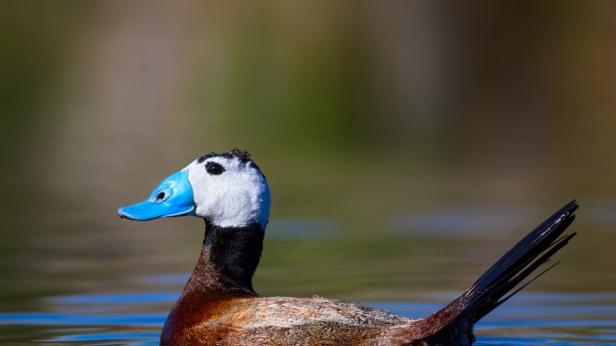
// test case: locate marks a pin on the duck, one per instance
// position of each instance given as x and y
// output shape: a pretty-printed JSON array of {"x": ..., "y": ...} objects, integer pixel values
[{"x": 219, "y": 305}]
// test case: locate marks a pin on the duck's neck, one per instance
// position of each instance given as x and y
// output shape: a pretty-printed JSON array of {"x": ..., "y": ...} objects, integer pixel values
[{"x": 228, "y": 260}]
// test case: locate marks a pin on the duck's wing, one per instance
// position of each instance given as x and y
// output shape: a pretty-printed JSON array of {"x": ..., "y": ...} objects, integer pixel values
[
  {"x": 301, "y": 321},
  {"x": 288, "y": 312}
]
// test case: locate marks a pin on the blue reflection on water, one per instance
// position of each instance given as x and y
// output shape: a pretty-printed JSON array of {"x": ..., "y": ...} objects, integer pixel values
[
  {"x": 117, "y": 298},
  {"x": 59, "y": 319}
]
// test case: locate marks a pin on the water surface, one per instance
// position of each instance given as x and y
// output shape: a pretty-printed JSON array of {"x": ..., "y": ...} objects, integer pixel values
[
  {"x": 135, "y": 318},
  {"x": 111, "y": 288}
]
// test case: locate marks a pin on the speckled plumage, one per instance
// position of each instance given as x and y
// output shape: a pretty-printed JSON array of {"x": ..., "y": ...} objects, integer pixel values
[{"x": 245, "y": 320}]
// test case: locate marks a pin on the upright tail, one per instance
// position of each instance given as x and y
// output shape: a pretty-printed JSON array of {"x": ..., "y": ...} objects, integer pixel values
[{"x": 454, "y": 323}]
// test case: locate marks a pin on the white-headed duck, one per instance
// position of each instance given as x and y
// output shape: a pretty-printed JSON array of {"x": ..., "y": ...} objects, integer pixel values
[{"x": 220, "y": 307}]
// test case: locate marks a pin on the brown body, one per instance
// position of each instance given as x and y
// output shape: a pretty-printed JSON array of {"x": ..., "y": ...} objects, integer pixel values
[{"x": 280, "y": 321}]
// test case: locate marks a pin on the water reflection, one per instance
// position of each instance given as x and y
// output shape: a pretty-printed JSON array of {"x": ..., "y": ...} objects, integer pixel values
[
  {"x": 302, "y": 228},
  {"x": 527, "y": 319},
  {"x": 465, "y": 220},
  {"x": 109, "y": 286}
]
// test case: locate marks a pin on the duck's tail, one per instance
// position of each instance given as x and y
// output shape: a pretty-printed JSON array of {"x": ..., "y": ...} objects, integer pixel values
[{"x": 454, "y": 323}]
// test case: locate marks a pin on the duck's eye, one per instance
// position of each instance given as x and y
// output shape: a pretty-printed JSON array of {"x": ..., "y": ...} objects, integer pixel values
[
  {"x": 214, "y": 168},
  {"x": 160, "y": 196}
]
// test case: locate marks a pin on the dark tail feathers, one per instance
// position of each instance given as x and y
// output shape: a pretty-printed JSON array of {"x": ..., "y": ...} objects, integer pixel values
[{"x": 499, "y": 283}]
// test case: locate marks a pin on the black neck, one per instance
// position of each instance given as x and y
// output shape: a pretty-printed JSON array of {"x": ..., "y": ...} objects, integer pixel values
[{"x": 229, "y": 258}]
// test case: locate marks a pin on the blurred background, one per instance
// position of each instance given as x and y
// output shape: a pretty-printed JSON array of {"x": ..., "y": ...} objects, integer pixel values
[{"x": 407, "y": 143}]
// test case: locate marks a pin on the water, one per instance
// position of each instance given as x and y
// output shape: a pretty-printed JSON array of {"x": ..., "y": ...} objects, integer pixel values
[
  {"x": 115, "y": 287},
  {"x": 135, "y": 318}
]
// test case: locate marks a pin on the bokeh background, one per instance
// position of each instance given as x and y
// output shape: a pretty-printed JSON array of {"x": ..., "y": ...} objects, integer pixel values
[{"x": 407, "y": 143}]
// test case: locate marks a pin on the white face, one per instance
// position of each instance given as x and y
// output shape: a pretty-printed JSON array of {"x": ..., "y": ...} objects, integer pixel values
[{"x": 228, "y": 192}]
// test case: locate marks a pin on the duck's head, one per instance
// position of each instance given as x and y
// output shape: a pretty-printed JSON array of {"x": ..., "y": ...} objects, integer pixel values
[{"x": 227, "y": 190}]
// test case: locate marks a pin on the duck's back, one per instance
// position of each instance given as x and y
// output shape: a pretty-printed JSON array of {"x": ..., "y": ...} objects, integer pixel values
[{"x": 283, "y": 321}]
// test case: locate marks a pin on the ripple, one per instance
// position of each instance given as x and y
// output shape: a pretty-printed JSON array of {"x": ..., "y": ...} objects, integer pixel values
[
  {"x": 116, "y": 298},
  {"x": 527, "y": 319}
]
